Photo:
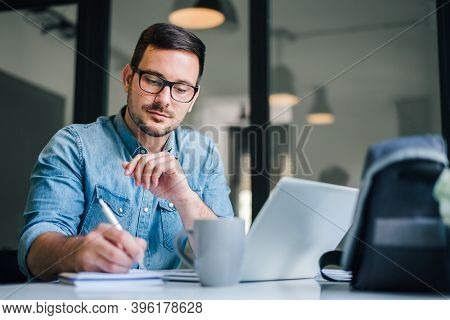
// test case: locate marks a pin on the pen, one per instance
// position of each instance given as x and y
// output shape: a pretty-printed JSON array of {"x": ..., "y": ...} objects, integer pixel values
[{"x": 112, "y": 219}]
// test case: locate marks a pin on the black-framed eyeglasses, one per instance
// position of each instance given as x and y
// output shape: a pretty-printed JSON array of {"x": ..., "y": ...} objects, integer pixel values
[{"x": 151, "y": 83}]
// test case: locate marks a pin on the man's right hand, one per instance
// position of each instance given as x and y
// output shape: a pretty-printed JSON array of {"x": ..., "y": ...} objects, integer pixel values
[{"x": 107, "y": 249}]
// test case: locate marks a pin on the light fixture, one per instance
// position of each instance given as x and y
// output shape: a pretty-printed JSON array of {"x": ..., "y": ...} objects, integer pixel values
[
  {"x": 320, "y": 112},
  {"x": 282, "y": 88},
  {"x": 282, "y": 80},
  {"x": 201, "y": 14},
  {"x": 51, "y": 20}
]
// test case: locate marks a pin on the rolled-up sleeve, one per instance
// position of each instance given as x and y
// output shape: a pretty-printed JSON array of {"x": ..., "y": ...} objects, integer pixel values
[
  {"x": 216, "y": 194},
  {"x": 55, "y": 200}
]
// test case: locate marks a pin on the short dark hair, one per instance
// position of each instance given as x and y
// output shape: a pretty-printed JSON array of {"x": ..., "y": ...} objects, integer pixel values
[{"x": 169, "y": 36}]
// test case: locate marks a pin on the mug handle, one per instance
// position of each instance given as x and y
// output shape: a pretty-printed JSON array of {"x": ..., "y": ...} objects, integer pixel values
[{"x": 180, "y": 252}]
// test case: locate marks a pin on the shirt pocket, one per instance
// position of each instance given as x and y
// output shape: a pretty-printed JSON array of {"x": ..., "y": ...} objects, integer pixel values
[
  {"x": 119, "y": 204},
  {"x": 171, "y": 221}
]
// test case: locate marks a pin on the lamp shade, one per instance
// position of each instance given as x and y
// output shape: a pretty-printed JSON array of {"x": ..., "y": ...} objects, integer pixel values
[
  {"x": 282, "y": 88},
  {"x": 201, "y": 14},
  {"x": 320, "y": 112}
]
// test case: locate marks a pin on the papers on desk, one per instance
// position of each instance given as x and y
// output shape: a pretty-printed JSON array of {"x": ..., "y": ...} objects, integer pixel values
[
  {"x": 338, "y": 275},
  {"x": 146, "y": 278},
  {"x": 100, "y": 281},
  {"x": 180, "y": 275},
  {"x": 133, "y": 279}
]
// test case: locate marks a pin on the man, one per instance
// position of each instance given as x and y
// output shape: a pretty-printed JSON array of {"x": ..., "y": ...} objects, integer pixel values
[{"x": 156, "y": 176}]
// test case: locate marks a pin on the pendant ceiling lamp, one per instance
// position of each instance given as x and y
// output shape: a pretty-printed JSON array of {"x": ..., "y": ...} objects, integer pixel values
[
  {"x": 282, "y": 91},
  {"x": 320, "y": 112},
  {"x": 200, "y": 14},
  {"x": 282, "y": 88}
]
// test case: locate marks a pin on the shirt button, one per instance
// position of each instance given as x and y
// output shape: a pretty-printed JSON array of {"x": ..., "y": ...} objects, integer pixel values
[
  {"x": 143, "y": 151},
  {"x": 170, "y": 204},
  {"x": 120, "y": 210},
  {"x": 145, "y": 209}
]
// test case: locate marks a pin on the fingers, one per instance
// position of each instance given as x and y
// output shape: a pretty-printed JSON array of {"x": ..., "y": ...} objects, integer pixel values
[
  {"x": 132, "y": 164},
  {"x": 147, "y": 169},
  {"x": 141, "y": 163},
  {"x": 108, "y": 266},
  {"x": 141, "y": 243},
  {"x": 153, "y": 170},
  {"x": 114, "y": 259},
  {"x": 122, "y": 240},
  {"x": 156, "y": 174},
  {"x": 91, "y": 255},
  {"x": 107, "y": 249},
  {"x": 150, "y": 162}
]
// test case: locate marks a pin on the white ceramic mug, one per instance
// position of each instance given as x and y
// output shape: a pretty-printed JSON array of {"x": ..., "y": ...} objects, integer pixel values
[{"x": 219, "y": 250}]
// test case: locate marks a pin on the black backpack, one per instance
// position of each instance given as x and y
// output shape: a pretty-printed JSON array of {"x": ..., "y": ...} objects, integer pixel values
[{"x": 398, "y": 241}]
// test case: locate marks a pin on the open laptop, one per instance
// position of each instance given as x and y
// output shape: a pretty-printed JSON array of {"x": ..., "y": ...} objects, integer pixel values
[{"x": 299, "y": 222}]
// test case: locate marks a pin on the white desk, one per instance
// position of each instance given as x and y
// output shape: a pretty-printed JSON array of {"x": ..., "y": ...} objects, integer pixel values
[{"x": 286, "y": 290}]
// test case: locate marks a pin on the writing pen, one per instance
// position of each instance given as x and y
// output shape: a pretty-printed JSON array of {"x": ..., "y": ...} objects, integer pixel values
[{"x": 112, "y": 219}]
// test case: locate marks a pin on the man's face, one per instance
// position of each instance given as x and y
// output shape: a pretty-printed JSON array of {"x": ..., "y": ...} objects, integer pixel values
[{"x": 159, "y": 114}]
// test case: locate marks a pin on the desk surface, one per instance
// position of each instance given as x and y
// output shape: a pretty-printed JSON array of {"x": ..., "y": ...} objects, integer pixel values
[{"x": 287, "y": 290}]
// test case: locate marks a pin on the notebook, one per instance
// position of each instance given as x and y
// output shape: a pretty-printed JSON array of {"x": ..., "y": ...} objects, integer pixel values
[{"x": 101, "y": 281}]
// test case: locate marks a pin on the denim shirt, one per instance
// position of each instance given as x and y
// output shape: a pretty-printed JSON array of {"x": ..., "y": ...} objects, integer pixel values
[{"x": 82, "y": 163}]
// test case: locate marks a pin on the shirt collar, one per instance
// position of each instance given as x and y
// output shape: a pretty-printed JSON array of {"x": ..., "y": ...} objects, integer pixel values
[{"x": 133, "y": 146}]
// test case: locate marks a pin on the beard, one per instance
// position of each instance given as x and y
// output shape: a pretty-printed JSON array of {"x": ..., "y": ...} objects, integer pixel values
[{"x": 152, "y": 131}]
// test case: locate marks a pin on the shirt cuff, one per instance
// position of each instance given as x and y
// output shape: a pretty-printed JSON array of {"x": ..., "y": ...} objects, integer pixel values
[{"x": 26, "y": 240}]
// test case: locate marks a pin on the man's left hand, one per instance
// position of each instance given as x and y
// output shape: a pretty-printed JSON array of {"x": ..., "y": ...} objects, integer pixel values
[{"x": 161, "y": 173}]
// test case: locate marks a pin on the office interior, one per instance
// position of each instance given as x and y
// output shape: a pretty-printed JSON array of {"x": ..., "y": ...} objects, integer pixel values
[{"x": 326, "y": 79}]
